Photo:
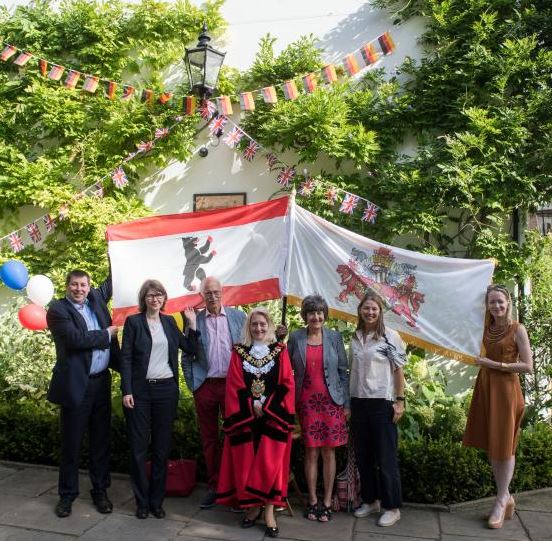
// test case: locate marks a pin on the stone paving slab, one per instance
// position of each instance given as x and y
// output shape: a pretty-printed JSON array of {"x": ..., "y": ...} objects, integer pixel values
[
  {"x": 371, "y": 536},
  {"x": 540, "y": 500},
  {"x": 213, "y": 525},
  {"x": 38, "y": 513},
  {"x": 297, "y": 527},
  {"x": 5, "y": 471},
  {"x": 413, "y": 523},
  {"x": 537, "y": 524},
  {"x": 9, "y": 533},
  {"x": 29, "y": 482},
  {"x": 473, "y": 523}
]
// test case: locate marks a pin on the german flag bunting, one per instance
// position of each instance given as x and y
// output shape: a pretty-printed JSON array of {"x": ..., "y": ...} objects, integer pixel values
[
  {"x": 224, "y": 105},
  {"x": 190, "y": 105},
  {"x": 110, "y": 89},
  {"x": 7, "y": 52},
  {"x": 91, "y": 83},
  {"x": 165, "y": 98},
  {"x": 56, "y": 72},
  {"x": 386, "y": 43},
  {"x": 43, "y": 66},
  {"x": 351, "y": 64},
  {"x": 247, "y": 103},
  {"x": 128, "y": 92},
  {"x": 147, "y": 96},
  {"x": 269, "y": 94},
  {"x": 22, "y": 59},
  {"x": 309, "y": 83},
  {"x": 290, "y": 90},
  {"x": 72, "y": 79},
  {"x": 328, "y": 73},
  {"x": 369, "y": 54}
]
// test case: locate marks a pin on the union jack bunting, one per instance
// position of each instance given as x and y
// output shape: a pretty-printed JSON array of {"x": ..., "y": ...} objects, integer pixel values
[
  {"x": 119, "y": 178},
  {"x": 98, "y": 190},
  {"x": 370, "y": 213},
  {"x": 271, "y": 160},
  {"x": 307, "y": 187},
  {"x": 206, "y": 109},
  {"x": 63, "y": 212},
  {"x": 161, "y": 132},
  {"x": 130, "y": 156},
  {"x": 349, "y": 203},
  {"x": 49, "y": 223},
  {"x": 144, "y": 147},
  {"x": 250, "y": 151},
  {"x": 178, "y": 118},
  {"x": 331, "y": 195},
  {"x": 217, "y": 125},
  {"x": 285, "y": 176},
  {"x": 16, "y": 242},
  {"x": 34, "y": 232},
  {"x": 233, "y": 137}
]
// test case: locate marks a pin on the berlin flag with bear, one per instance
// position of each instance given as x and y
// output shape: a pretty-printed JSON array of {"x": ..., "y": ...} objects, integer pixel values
[{"x": 276, "y": 248}]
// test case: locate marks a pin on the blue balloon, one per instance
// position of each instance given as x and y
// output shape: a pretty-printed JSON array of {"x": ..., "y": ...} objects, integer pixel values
[{"x": 14, "y": 274}]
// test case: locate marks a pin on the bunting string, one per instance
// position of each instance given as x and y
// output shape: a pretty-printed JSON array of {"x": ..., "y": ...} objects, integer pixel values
[{"x": 353, "y": 63}]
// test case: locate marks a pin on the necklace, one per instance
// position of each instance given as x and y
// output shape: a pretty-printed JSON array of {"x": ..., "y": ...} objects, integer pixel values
[
  {"x": 257, "y": 367},
  {"x": 496, "y": 334}
]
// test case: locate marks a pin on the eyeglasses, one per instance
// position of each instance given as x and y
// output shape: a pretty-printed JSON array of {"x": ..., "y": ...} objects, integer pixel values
[{"x": 151, "y": 296}]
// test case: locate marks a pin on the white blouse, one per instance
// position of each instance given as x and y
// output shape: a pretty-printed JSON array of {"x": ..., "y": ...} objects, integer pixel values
[
  {"x": 158, "y": 367},
  {"x": 371, "y": 372}
]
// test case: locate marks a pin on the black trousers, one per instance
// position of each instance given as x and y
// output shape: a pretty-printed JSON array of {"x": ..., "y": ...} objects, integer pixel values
[
  {"x": 151, "y": 418},
  {"x": 375, "y": 441},
  {"x": 94, "y": 414}
]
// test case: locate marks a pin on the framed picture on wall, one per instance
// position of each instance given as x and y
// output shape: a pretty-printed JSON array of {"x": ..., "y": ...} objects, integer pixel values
[{"x": 211, "y": 201}]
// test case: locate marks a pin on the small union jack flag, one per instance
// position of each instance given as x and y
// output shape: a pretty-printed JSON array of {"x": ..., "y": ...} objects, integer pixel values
[
  {"x": 161, "y": 132},
  {"x": 130, "y": 156},
  {"x": 119, "y": 178},
  {"x": 349, "y": 203},
  {"x": 98, "y": 190},
  {"x": 16, "y": 242},
  {"x": 331, "y": 195},
  {"x": 250, "y": 151},
  {"x": 63, "y": 212},
  {"x": 271, "y": 160},
  {"x": 34, "y": 232},
  {"x": 285, "y": 176},
  {"x": 49, "y": 223},
  {"x": 207, "y": 109},
  {"x": 145, "y": 147},
  {"x": 233, "y": 137},
  {"x": 370, "y": 213},
  {"x": 307, "y": 187},
  {"x": 217, "y": 125},
  {"x": 178, "y": 118}
]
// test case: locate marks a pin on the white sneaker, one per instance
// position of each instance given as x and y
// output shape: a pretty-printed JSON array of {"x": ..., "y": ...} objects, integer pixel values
[
  {"x": 389, "y": 517},
  {"x": 367, "y": 509}
]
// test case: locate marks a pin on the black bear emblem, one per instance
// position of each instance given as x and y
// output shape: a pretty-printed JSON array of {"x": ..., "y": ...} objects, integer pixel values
[{"x": 194, "y": 258}]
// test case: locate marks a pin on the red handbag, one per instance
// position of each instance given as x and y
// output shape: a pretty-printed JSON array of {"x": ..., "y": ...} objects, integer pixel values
[{"x": 181, "y": 476}]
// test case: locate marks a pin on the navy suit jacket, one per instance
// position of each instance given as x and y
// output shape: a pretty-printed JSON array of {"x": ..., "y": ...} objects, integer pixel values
[
  {"x": 136, "y": 351},
  {"x": 74, "y": 345}
]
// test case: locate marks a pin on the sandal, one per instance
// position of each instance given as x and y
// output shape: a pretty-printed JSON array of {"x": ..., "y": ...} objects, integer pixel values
[
  {"x": 324, "y": 514},
  {"x": 311, "y": 512},
  {"x": 250, "y": 522}
]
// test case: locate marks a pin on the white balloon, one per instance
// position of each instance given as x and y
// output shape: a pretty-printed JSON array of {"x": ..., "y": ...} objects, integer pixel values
[{"x": 40, "y": 289}]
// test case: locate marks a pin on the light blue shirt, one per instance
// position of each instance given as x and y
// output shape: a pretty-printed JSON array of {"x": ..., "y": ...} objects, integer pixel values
[{"x": 100, "y": 357}]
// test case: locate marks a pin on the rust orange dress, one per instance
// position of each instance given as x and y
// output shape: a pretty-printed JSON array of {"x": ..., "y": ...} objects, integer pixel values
[{"x": 497, "y": 405}]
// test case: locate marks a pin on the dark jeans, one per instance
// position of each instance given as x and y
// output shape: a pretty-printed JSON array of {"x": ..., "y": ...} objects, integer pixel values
[
  {"x": 94, "y": 415},
  {"x": 153, "y": 415},
  {"x": 375, "y": 441}
]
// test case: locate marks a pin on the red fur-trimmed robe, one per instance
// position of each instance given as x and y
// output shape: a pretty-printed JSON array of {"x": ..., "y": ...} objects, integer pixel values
[{"x": 255, "y": 458}]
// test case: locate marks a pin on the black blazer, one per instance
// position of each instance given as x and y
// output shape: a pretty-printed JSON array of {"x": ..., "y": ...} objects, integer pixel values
[
  {"x": 74, "y": 345},
  {"x": 136, "y": 350}
]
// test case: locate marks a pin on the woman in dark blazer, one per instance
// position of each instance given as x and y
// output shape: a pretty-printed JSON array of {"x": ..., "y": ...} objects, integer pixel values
[
  {"x": 149, "y": 381},
  {"x": 322, "y": 393}
]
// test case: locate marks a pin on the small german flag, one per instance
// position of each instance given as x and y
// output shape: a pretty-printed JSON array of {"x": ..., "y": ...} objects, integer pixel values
[
  {"x": 386, "y": 43},
  {"x": 110, "y": 89},
  {"x": 224, "y": 105},
  {"x": 7, "y": 52},
  {"x": 309, "y": 83},
  {"x": 72, "y": 79},
  {"x": 247, "y": 103},
  {"x": 165, "y": 98},
  {"x": 22, "y": 59},
  {"x": 290, "y": 90},
  {"x": 351, "y": 64},
  {"x": 43, "y": 66},
  {"x": 128, "y": 92},
  {"x": 269, "y": 94},
  {"x": 190, "y": 105},
  {"x": 329, "y": 74},
  {"x": 56, "y": 72},
  {"x": 369, "y": 54},
  {"x": 147, "y": 96},
  {"x": 90, "y": 83}
]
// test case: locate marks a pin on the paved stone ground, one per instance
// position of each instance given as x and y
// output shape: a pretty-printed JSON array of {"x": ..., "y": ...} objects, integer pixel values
[{"x": 28, "y": 496}]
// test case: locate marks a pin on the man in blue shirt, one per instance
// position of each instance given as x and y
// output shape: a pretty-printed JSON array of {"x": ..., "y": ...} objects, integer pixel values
[{"x": 86, "y": 347}]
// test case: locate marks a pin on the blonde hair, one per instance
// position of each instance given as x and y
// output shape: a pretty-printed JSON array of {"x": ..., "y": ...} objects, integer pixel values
[
  {"x": 247, "y": 339},
  {"x": 380, "y": 325},
  {"x": 499, "y": 289}
]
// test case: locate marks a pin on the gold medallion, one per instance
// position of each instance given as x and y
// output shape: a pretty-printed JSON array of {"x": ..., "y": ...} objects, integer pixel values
[{"x": 257, "y": 388}]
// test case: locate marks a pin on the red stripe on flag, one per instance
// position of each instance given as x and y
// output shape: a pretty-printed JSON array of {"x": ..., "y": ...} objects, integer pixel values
[
  {"x": 174, "y": 224},
  {"x": 262, "y": 290}
]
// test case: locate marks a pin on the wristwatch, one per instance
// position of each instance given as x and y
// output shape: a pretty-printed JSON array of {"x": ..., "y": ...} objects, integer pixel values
[{"x": 399, "y": 399}]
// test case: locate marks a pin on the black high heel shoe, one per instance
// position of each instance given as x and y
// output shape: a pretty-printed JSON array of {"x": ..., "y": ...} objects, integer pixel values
[
  {"x": 272, "y": 531},
  {"x": 250, "y": 522}
]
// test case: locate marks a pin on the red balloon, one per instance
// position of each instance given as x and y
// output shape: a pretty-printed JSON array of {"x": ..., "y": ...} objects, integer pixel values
[{"x": 33, "y": 317}]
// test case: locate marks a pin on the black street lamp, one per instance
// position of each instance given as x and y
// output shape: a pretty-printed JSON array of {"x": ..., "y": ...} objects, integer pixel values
[{"x": 203, "y": 64}]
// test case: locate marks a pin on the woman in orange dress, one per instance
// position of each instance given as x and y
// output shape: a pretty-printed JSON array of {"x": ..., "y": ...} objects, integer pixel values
[{"x": 497, "y": 405}]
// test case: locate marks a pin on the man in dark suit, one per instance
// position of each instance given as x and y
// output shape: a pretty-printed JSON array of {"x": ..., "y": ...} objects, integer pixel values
[{"x": 86, "y": 346}]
